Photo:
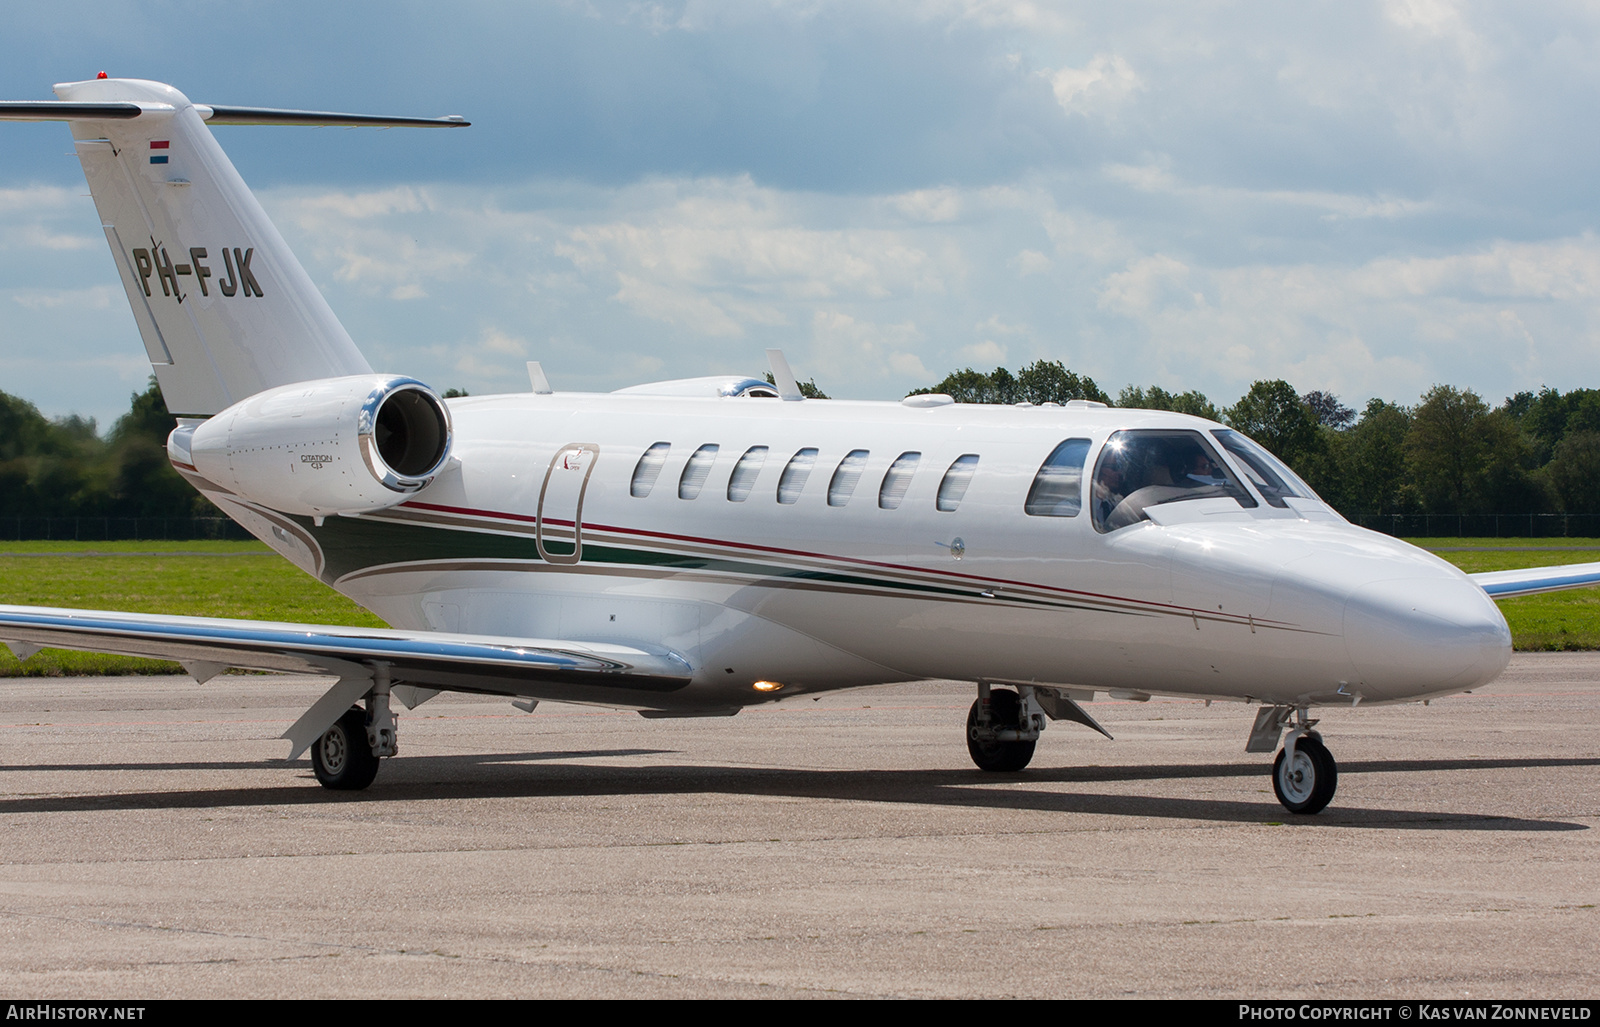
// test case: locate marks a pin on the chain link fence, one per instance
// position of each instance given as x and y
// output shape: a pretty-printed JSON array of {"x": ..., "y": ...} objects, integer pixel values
[{"x": 1482, "y": 525}]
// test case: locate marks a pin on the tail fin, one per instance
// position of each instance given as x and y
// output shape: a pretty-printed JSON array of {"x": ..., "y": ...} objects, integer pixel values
[{"x": 225, "y": 309}]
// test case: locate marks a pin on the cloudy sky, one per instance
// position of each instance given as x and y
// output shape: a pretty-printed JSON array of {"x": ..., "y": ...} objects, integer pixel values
[{"x": 1364, "y": 197}]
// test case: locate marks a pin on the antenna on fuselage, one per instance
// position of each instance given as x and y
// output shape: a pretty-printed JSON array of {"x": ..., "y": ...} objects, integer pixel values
[{"x": 782, "y": 377}]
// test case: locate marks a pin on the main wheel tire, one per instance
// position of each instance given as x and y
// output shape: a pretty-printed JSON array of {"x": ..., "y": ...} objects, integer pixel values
[
  {"x": 1005, "y": 708},
  {"x": 1307, "y": 785},
  {"x": 341, "y": 758}
]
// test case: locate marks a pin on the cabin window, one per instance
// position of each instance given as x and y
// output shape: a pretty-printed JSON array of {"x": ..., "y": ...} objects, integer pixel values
[
  {"x": 845, "y": 476},
  {"x": 897, "y": 480},
  {"x": 694, "y": 474},
  {"x": 954, "y": 485},
  {"x": 648, "y": 469},
  {"x": 1141, "y": 469},
  {"x": 745, "y": 472},
  {"x": 1266, "y": 472},
  {"x": 1057, "y": 489},
  {"x": 795, "y": 473}
]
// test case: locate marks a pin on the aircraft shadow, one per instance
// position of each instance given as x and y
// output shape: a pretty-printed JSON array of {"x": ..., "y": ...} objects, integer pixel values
[
  {"x": 524, "y": 757},
  {"x": 524, "y": 775}
]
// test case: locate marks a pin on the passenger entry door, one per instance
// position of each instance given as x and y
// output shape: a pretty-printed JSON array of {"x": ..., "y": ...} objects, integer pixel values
[{"x": 559, "y": 533}]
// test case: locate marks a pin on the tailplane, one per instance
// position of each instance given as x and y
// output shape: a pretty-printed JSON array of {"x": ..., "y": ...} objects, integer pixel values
[{"x": 225, "y": 309}]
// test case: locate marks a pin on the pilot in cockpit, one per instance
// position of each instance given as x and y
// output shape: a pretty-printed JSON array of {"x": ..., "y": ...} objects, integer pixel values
[
  {"x": 1202, "y": 471},
  {"x": 1109, "y": 486}
]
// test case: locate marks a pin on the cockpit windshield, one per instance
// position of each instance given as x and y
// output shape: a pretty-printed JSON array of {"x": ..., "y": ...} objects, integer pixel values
[
  {"x": 1145, "y": 468},
  {"x": 1267, "y": 473}
]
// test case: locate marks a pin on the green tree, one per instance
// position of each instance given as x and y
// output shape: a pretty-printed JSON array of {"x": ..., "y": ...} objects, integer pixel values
[
  {"x": 47, "y": 468},
  {"x": 1157, "y": 398},
  {"x": 1049, "y": 381},
  {"x": 143, "y": 482},
  {"x": 1374, "y": 461},
  {"x": 1509, "y": 482},
  {"x": 1574, "y": 473},
  {"x": 1272, "y": 414},
  {"x": 1445, "y": 448}
]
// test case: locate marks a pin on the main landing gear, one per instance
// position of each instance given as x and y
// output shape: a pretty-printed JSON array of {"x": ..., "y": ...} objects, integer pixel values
[
  {"x": 341, "y": 758},
  {"x": 345, "y": 758},
  {"x": 1001, "y": 730},
  {"x": 1304, "y": 775}
]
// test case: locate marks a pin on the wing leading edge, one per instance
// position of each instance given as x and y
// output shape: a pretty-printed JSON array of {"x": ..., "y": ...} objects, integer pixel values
[
  {"x": 623, "y": 676},
  {"x": 1533, "y": 580}
]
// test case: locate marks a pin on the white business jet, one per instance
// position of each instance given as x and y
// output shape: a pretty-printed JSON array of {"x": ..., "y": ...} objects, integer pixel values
[{"x": 689, "y": 548}]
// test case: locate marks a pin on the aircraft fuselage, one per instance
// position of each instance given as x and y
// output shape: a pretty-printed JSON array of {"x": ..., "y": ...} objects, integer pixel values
[{"x": 815, "y": 584}]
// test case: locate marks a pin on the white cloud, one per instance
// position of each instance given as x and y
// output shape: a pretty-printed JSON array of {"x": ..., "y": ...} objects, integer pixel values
[
  {"x": 95, "y": 297},
  {"x": 496, "y": 341},
  {"x": 697, "y": 313},
  {"x": 1031, "y": 262},
  {"x": 844, "y": 347},
  {"x": 1158, "y": 179},
  {"x": 930, "y": 205},
  {"x": 986, "y": 352},
  {"x": 37, "y": 199},
  {"x": 1107, "y": 79}
]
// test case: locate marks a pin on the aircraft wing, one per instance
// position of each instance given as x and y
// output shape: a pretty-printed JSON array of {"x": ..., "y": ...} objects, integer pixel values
[
  {"x": 1533, "y": 580},
  {"x": 623, "y": 676}
]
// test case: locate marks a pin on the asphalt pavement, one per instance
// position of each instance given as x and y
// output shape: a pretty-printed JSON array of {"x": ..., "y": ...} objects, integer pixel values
[{"x": 154, "y": 843}]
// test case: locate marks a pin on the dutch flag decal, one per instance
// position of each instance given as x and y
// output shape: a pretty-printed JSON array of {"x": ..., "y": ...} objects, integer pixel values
[{"x": 158, "y": 144}]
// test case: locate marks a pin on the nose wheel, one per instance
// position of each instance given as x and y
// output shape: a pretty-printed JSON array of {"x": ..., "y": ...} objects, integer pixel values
[{"x": 1305, "y": 774}]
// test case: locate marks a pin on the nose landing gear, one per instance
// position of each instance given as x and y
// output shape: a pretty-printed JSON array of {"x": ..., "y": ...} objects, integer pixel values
[{"x": 1304, "y": 775}]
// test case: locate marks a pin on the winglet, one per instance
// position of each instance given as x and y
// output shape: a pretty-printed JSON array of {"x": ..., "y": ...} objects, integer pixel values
[
  {"x": 782, "y": 377},
  {"x": 537, "y": 379}
]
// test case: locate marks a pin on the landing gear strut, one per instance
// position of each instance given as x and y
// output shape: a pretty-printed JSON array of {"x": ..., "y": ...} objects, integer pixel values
[
  {"x": 1001, "y": 734},
  {"x": 1304, "y": 775}
]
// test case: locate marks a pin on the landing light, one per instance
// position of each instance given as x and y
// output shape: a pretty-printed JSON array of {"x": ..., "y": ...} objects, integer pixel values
[{"x": 766, "y": 686}]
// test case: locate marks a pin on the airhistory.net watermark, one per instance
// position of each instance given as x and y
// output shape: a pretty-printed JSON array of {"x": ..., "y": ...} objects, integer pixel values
[{"x": 71, "y": 1011}]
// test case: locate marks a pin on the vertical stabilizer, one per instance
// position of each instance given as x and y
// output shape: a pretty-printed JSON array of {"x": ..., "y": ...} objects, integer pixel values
[{"x": 226, "y": 311}]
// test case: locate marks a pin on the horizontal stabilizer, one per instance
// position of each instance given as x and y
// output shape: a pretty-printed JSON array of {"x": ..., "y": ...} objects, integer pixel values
[
  {"x": 62, "y": 110},
  {"x": 1533, "y": 580},
  {"x": 274, "y": 116},
  {"x": 67, "y": 110}
]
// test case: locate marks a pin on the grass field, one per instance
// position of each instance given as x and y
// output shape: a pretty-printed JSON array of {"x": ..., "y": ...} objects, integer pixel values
[
  {"x": 248, "y": 580},
  {"x": 200, "y": 579}
]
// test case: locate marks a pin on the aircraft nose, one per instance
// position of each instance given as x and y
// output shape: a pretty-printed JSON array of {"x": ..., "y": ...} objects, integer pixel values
[{"x": 1418, "y": 635}]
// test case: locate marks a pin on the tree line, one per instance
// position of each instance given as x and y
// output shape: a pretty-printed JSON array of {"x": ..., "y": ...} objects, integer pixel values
[
  {"x": 63, "y": 467},
  {"x": 1449, "y": 453}
]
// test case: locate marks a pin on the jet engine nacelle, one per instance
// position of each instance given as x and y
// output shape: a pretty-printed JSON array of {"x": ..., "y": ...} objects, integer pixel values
[{"x": 337, "y": 445}]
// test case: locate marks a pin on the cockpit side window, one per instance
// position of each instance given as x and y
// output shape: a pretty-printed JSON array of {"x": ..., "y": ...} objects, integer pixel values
[
  {"x": 1141, "y": 469},
  {"x": 1271, "y": 477},
  {"x": 1058, "y": 487}
]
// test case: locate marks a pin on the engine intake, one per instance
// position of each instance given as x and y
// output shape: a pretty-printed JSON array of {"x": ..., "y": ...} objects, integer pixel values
[{"x": 337, "y": 445}]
